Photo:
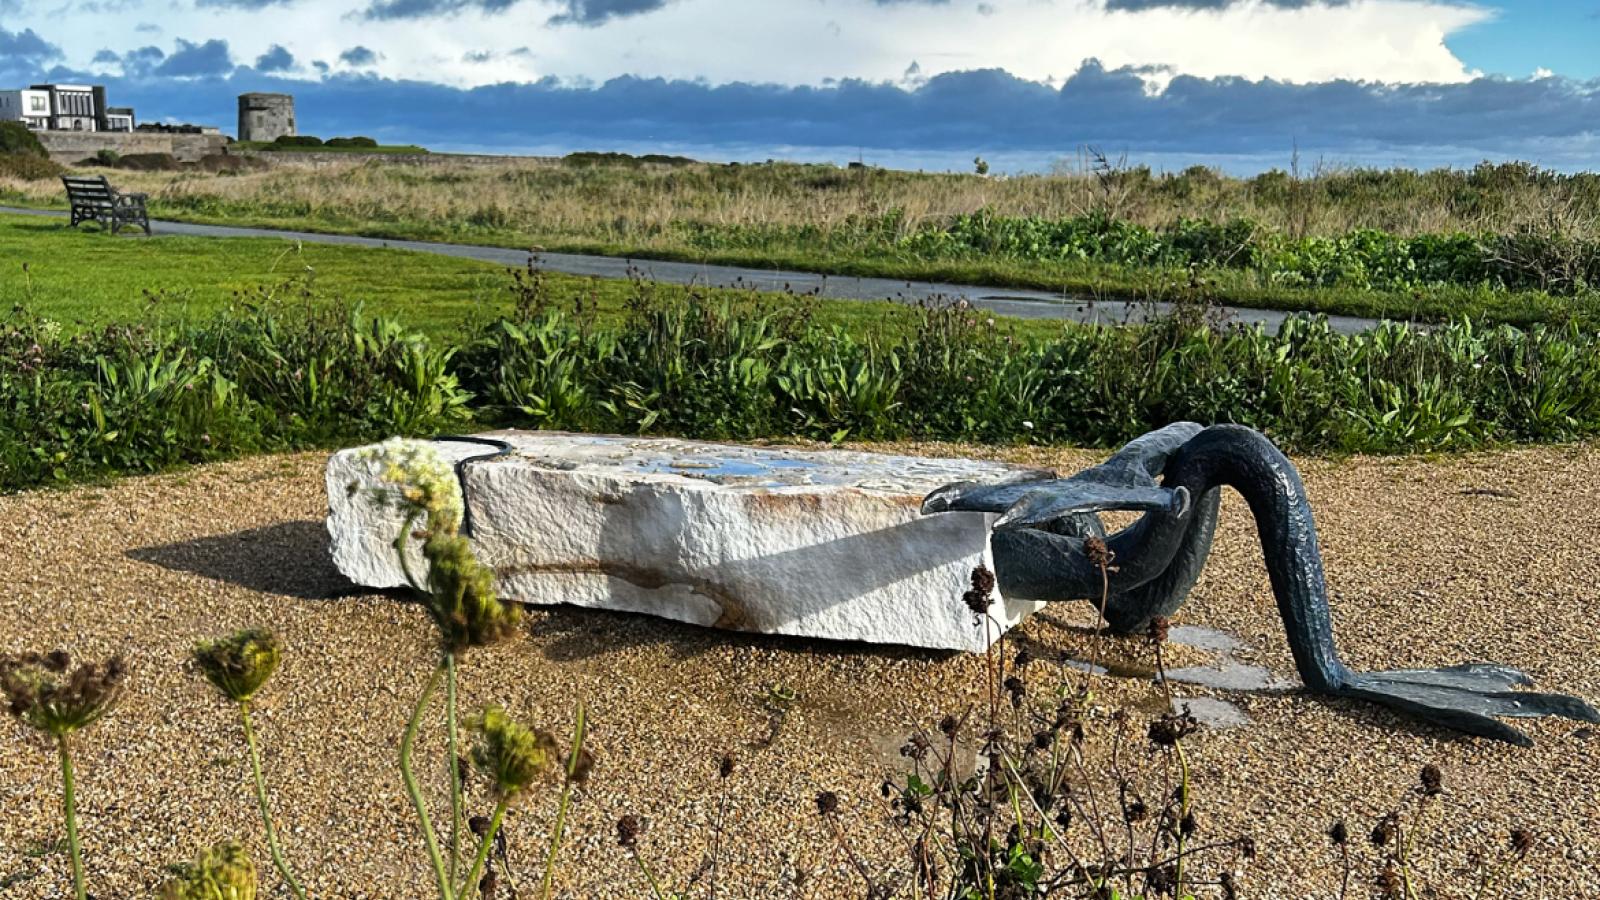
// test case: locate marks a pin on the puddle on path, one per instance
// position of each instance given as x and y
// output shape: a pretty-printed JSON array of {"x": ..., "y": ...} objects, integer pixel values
[{"x": 1225, "y": 673}]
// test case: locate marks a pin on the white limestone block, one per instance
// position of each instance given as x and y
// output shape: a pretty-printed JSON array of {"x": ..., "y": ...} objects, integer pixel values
[{"x": 826, "y": 544}]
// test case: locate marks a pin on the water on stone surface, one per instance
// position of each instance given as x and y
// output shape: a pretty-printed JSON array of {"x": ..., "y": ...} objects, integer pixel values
[
  {"x": 747, "y": 467},
  {"x": 1225, "y": 673}
]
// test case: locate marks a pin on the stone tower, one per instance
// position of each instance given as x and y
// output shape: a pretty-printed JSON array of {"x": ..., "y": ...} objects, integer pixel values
[{"x": 265, "y": 117}]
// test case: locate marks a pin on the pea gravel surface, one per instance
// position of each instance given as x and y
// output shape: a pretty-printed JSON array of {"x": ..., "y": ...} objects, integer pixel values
[{"x": 1431, "y": 562}]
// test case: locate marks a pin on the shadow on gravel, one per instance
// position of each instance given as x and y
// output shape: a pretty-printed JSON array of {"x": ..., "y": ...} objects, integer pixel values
[
  {"x": 572, "y": 633},
  {"x": 290, "y": 558}
]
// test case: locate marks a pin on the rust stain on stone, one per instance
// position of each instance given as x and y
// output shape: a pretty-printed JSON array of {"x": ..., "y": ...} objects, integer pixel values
[{"x": 733, "y": 614}]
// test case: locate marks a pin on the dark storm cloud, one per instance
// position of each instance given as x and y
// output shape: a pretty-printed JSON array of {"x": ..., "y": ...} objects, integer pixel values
[
  {"x": 594, "y": 12},
  {"x": 192, "y": 60},
  {"x": 1142, "y": 5},
  {"x": 26, "y": 47},
  {"x": 23, "y": 54},
  {"x": 240, "y": 4},
  {"x": 420, "y": 9},
  {"x": 574, "y": 12},
  {"x": 276, "y": 59},
  {"x": 1489, "y": 117},
  {"x": 359, "y": 56}
]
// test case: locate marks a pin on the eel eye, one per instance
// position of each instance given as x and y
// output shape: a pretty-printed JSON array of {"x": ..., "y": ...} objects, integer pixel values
[{"x": 1180, "y": 501}]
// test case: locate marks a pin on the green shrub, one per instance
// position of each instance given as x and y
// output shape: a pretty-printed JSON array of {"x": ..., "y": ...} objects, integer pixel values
[
  {"x": 351, "y": 142},
  {"x": 16, "y": 139},
  {"x": 273, "y": 375},
  {"x": 28, "y": 167},
  {"x": 297, "y": 140},
  {"x": 107, "y": 156},
  {"x": 150, "y": 162}
]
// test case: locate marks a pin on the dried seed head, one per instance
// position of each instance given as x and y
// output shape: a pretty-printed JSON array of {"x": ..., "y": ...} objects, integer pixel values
[
  {"x": 459, "y": 590},
  {"x": 981, "y": 596},
  {"x": 579, "y": 768},
  {"x": 827, "y": 803},
  {"x": 1385, "y": 830},
  {"x": 1521, "y": 841},
  {"x": 725, "y": 766},
  {"x": 1098, "y": 553},
  {"x": 1016, "y": 689},
  {"x": 1136, "y": 812},
  {"x": 1432, "y": 781},
  {"x": 1339, "y": 833},
  {"x": 1389, "y": 883},
  {"x": 461, "y": 597},
  {"x": 628, "y": 830},
  {"x": 511, "y": 755},
  {"x": 949, "y": 726},
  {"x": 222, "y": 873},
  {"x": 1159, "y": 629},
  {"x": 1162, "y": 881},
  {"x": 239, "y": 664},
  {"x": 1247, "y": 847},
  {"x": 1168, "y": 730},
  {"x": 36, "y": 694},
  {"x": 1188, "y": 825}
]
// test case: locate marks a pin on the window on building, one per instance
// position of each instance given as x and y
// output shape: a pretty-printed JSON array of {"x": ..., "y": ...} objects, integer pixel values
[{"x": 37, "y": 104}]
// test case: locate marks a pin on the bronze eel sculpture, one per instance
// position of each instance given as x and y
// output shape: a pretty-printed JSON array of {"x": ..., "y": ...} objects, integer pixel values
[{"x": 1174, "y": 476}]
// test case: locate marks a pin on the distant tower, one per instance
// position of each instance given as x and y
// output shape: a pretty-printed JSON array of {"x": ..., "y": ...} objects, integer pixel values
[{"x": 265, "y": 117}]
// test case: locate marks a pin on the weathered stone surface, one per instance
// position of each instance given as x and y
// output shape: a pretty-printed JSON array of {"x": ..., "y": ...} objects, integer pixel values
[{"x": 825, "y": 544}]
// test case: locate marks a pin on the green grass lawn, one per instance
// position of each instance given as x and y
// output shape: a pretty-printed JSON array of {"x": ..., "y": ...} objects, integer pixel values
[
  {"x": 1076, "y": 278},
  {"x": 85, "y": 277}
]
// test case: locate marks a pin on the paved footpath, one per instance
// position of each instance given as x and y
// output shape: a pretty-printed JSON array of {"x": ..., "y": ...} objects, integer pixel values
[{"x": 1026, "y": 304}]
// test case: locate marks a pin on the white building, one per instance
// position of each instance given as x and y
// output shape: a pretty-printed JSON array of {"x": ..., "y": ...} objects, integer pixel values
[
  {"x": 64, "y": 107},
  {"x": 30, "y": 107}
]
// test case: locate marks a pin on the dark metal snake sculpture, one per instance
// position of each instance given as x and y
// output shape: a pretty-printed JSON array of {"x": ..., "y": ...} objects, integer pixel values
[{"x": 1175, "y": 476}]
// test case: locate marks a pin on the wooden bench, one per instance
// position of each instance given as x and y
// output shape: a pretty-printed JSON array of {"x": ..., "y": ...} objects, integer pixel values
[{"x": 94, "y": 199}]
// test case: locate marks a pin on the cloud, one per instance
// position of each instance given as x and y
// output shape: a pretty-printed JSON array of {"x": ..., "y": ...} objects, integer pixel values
[
  {"x": 276, "y": 59},
  {"x": 192, "y": 60},
  {"x": 594, "y": 12},
  {"x": 359, "y": 56},
  {"x": 965, "y": 112},
  {"x": 240, "y": 4},
  {"x": 147, "y": 28},
  {"x": 24, "y": 52},
  {"x": 419, "y": 9},
  {"x": 1142, "y": 5},
  {"x": 574, "y": 12}
]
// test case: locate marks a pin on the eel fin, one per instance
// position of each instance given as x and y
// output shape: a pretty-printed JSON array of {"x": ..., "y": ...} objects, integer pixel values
[{"x": 1470, "y": 698}]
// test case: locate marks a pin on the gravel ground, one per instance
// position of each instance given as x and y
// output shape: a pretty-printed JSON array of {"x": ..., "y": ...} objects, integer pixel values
[{"x": 1431, "y": 562}]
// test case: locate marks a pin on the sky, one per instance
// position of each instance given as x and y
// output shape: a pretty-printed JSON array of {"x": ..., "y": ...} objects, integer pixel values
[{"x": 1027, "y": 84}]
